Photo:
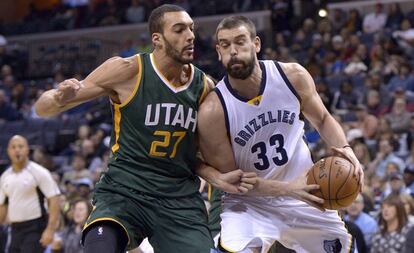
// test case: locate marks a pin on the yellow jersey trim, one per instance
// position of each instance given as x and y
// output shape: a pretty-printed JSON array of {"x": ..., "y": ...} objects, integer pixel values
[
  {"x": 140, "y": 70},
  {"x": 204, "y": 93},
  {"x": 227, "y": 249},
  {"x": 117, "y": 127},
  {"x": 209, "y": 192},
  {"x": 255, "y": 101},
  {"x": 107, "y": 219},
  {"x": 171, "y": 86}
]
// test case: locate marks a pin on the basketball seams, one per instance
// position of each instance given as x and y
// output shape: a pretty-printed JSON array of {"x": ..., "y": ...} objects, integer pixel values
[
  {"x": 316, "y": 182},
  {"x": 329, "y": 182},
  {"x": 350, "y": 172},
  {"x": 331, "y": 191}
]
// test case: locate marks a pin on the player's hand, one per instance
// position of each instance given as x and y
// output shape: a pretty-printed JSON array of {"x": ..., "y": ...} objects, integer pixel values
[
  {"x": 66, "y": 91},
  {"x": 299, "y": 189},
  {"x": 349, "y": 154},
  {"x": 47, "y": 237},
  {"x": 236, "y": 182}
]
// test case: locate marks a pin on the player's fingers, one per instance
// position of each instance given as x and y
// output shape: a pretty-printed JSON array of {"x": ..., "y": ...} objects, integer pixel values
[
  {"x": 312, "y": 187},
  {"x": 361, "y": 181},
  {"x": 247, "y": 186},
  {"x": 236, "y": 174},
  {"x": 74, "y": 84},
  {"x": 342, "y": 153},
  {"x": 249, "y": 180},
  {"x": 231, "y": 189},
  {"x": 313, "y": 198},
  {"x": 242, "y": 190},
  {"x": 249, "y": 174}
]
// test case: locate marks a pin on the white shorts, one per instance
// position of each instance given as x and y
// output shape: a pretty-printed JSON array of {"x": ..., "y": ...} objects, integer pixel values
[{"x": 252, "y": 222}]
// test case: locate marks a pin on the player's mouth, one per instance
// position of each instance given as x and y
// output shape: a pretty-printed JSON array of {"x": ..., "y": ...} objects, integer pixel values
[{"x": 189, "y": 49}]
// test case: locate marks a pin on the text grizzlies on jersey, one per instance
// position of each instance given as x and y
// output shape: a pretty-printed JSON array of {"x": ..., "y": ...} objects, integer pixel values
[
  {"x": 262, "y": 120},
  {"x": 174, "y": 115}
]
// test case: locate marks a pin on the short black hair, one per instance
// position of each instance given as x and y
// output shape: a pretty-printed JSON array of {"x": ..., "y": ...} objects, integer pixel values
[
  {"x": 236, "y": 21},
  {"x": 156, "y": 19}
]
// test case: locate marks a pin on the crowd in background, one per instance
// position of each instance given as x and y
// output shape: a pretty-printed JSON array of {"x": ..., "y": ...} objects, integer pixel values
[{"x": 363, "y": 70}]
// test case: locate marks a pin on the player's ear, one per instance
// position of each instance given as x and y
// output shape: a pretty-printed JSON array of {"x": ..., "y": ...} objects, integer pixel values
[
  {"x": 156, "y": 40},
  {"x": 218, "y": 52},
  {"x": 257, "y": 44}
]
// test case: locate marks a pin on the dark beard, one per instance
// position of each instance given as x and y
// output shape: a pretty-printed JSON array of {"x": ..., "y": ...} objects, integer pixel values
[
  {"x": 245, "y": 71},
  {"x": 174, "y": 53}
]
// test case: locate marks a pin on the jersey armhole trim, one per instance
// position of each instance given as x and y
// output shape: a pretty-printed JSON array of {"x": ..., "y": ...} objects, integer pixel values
[
  {"x": 137, "y": 84},
  {"x": 288, "y": 84},
  {"x": 226, "y": 116},
  {"x": 204, "y": 93}
]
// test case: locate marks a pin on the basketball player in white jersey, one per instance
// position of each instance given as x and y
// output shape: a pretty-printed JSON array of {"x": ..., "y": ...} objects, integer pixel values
[{"x": 252, "y": 121}]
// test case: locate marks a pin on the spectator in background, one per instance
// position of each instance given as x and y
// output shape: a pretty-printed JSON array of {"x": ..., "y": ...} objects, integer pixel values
[
  {"x": 373, "y": 103},
  {"x": 384, "y": 156},
  {"x": 128, "y": 49},
  {"x": 364, "y": 221},
  {"x": 338, "y": 20},
  {"x": 135, "y": 13},
  {"x": 367, "y": 123},
  {"x": 23, "y": 187},
  {"x": 77, "y": 170},
  {"x": 394, "y": 17},
  {"x": 374, "y": 22},
  {"x": 354, "y": 22},
  {"x": 409, "y": 178},
  {"x": 399, "y": 117},
  {"x": 394, "y": 226},
  {"x": 408, "y": 202},
  {"x": 405, "y": 36},
  {"x": 362, "y": 153},
  {"x": 395, "y": 183},
  {"x": 403, "y": 80},
  {"x": 346, "y": 98},
  {"x": 409, "y": 243},
  {"x": 67, "y": 240},
  {"x": 84, "y": 187},
  {"x": 7, "y": 112}
]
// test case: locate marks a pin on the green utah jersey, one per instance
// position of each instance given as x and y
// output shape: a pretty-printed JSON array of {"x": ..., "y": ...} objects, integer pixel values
[{"x": 153, "y": 142}]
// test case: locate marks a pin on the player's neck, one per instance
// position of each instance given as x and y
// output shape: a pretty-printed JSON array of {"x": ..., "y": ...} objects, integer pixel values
[
  {"x": 250, "y": 87},
  {"x": 176, "y": 73}
]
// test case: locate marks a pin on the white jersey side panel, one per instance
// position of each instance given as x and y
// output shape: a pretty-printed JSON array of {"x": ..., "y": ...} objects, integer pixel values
[{"x": 267, "y": 138}]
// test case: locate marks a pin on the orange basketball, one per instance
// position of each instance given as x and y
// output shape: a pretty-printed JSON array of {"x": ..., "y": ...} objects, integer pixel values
[{"x": 338, "y": 185}]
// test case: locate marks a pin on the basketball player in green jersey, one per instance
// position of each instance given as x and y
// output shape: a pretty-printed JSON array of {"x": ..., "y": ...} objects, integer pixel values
[{"x": 151, "y": 189}]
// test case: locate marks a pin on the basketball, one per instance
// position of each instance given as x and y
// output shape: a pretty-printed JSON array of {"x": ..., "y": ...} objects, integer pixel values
[{"x": 338, "y": 185}]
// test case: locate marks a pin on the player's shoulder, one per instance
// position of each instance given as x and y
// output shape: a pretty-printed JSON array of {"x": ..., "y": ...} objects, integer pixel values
[
  {"x": 298, "y": 76},
  {"x": 211, "y": 106},
  {"x": 122, "y": 67},
  {"x": 292, "y": 68}
]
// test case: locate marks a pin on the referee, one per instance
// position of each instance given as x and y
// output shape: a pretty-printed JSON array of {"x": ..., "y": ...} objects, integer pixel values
[{"x": 23, "y": 187}]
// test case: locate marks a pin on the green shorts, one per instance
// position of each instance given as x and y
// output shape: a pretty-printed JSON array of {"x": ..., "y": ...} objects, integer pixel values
[
  {"x": 214, "y": 197},
  {"x": 171, "y": 224}
]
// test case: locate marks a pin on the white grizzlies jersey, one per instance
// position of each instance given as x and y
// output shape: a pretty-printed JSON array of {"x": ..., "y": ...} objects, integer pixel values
[{"x": 267, "y": 136}]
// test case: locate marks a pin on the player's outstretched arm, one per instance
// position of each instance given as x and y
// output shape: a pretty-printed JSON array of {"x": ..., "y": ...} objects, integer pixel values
[
  {"x": 317, "y": 114},
  {"x": 107, "y": 79}
]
